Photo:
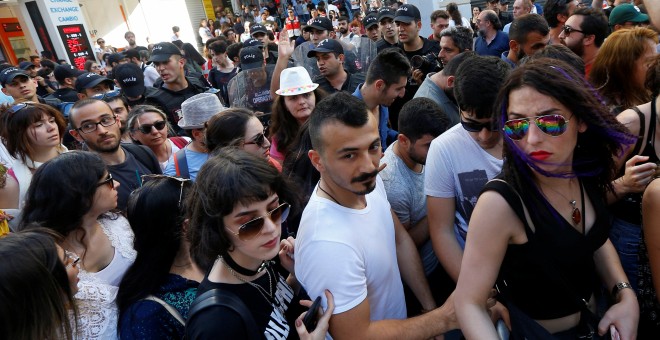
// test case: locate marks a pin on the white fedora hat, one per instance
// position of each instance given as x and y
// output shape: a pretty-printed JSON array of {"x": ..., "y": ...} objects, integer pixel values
[
  {"x": 198, "y": 109},
  {"x": 294, "y": 81}
]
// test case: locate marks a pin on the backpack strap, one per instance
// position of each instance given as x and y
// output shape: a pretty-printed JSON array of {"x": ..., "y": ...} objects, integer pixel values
[
  {"x": 217, "y": 298},
  {"x": 181, "y": 164},
  {"x": 144, "y": 156},
  {"x": 168, "y": 307}
]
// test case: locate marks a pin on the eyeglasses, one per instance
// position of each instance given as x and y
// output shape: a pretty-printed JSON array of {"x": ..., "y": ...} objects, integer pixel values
[
  {"x": 101, "y": 42},
  {"x": 551, "y": 125},
  {"x": 89, "y": 127},
  {"x": 146, "y": 128},
  {"x": 73, "y": 258},
  {"x": 253, "y": 228},
  {"x": 183, "y": 181},
  {"x": 107, "y": 95},
  {"x": 15, "y": 108},
  {"x": 477, "y": 127},
  {"x": 108, "y": 180},
  {"x": 568, "y": 29},
  {"x": 259, "y": 140}
]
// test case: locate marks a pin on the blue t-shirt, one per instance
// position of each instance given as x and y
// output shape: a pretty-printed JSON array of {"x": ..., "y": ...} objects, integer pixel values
[
  {"x": 195, "y": 161},
  {"x": 495, "y": 48}
]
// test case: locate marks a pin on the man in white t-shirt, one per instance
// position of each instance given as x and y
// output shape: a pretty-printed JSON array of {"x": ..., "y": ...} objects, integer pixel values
[
  {"x": 464, "y": 158},
  {"x": 350, "y": 242}
]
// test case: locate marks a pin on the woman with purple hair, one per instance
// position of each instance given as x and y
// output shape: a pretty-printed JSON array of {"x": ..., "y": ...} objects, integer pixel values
[{"x": 548, "y": 249}]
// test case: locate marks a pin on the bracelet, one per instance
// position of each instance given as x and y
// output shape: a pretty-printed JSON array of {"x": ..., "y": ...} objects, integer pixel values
[{"x": 618, "y": 287}]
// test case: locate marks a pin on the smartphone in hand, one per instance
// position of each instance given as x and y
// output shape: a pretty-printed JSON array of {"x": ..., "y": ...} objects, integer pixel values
[{"x": 313, "y": 314}]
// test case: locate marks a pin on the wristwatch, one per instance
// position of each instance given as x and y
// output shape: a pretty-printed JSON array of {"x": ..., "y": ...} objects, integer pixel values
[{"x": 618, "y": 287}]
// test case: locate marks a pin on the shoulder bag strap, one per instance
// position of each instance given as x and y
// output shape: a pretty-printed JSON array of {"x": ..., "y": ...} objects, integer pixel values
[
  {"x": 218, "y": 297},
  {"x": 181, "y": 164},
  {"x": 168, "y": 307}
]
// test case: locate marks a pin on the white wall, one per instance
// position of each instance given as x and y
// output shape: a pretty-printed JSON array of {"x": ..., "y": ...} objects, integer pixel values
[
  {"x": 426, "y": 7},
  {"x": 151, "y": 19}
]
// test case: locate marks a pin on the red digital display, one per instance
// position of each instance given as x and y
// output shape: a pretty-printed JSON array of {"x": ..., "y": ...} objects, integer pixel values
[{"x": 76, "y": 44}]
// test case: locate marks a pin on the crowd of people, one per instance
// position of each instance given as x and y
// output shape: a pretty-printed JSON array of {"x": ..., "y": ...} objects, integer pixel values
[{"x": 321, "y": 170}]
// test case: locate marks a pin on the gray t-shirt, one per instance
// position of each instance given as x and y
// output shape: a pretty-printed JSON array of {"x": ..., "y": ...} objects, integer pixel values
[
  {"x": 430, "y": 90},
  {"x": 405, "y": 192}
]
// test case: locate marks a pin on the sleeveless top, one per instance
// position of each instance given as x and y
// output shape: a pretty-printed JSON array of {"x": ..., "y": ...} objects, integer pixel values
[
  {"x": 628, "y": 207},
  {"x": 546, "y": 282},
  {"x": 97, "y": 292}
]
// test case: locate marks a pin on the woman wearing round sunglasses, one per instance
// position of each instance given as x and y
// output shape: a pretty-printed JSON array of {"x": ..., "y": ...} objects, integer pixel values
[
  {"x": 239, "y": 128},
  {"x": 75, "y": 195},
  {"x": 32, "y": 133},
  {"x": 236, "y": 208},
  {"x": 549, "y": 244},
  {"x": 148, "y": 126}
]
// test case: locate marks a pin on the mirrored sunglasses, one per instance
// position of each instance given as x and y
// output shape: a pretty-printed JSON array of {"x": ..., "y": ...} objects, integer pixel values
[{"x": 552, "y": 125}]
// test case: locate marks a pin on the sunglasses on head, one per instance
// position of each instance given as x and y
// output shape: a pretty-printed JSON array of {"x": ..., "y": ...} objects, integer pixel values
[
  {"x": 107, "y": 181},
  {"x": 15, "y": 108},
  {"x": 183, "y": 181},
  {"x": 253, "y": 228},
  {"x": 146, "y": 128},
  {"x": 477, "y": 127},
  {"x": 552, "y": 125}
]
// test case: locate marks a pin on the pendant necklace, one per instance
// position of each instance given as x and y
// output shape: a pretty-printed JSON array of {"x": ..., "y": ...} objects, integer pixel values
[
  {"x": 268, "y": 295},
  {"x": 576, "y": 215}
]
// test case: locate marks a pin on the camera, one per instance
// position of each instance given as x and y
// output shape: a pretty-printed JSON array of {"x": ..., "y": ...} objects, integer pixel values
[{"x": 425, "y": 63}]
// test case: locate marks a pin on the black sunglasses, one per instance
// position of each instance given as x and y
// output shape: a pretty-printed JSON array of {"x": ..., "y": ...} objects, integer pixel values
[
  {"x": 108, "y": 180},
  {"x": 568, "y": 29},
  {"x": 253, "y": 228},
  {"x": 146, "y": 128},
  {"x": 259, "y": 140},
  {"x": 477, "y": 127}
]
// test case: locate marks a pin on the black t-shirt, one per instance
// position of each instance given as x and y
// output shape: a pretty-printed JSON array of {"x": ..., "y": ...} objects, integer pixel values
[
  {"x": 65, "y": 94},
  {"x": 129, "y": 175},
  {"x": 220, "y": 322},
  {"x": 220, "y": 80},
  {"x": 351, "y": 83}
]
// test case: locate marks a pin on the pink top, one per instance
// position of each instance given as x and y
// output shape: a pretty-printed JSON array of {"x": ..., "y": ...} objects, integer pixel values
[{"x": 273, "y": 150}]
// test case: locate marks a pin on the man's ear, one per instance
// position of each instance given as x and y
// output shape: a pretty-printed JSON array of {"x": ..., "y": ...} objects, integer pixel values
[
  {"x": 75, "y": 134},
  {"x": 315, "y": 158},
  {"x": 589, "y": 39},
  {"x": 81, "y": 96},
  {"x": 403, "y": 140},
  {"x": 379, "y": 84},
  {"x": 513, "y": 45},
  {"x": 4, "y": 90},
  {"x": 450, "y": 82}
]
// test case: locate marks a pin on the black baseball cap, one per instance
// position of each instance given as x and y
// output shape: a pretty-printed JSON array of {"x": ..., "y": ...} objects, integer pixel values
[
  {"x": 326, "y": 46},
  {"x": 130, "y": 78},
  {"x": 252, "y": 42},
  {"x": 8, "y": 74},
  {"x": 251, "y": 58},
  {"x": 386, "y": 12},
  {"x": 25, "y": 65},
  {"x": 162, "y": 51},
  {"x": 64, "y": 71},
  {"x": 369, "y": 20},
  {"x": 116, "y": 58},
  {"x": 258, "y": 28},
  {"x": 407, "y": 13},
  {"x": 320, "y": 23},
  {"x": 132, "y": 53},
  {"x": 91, "y": 79}
]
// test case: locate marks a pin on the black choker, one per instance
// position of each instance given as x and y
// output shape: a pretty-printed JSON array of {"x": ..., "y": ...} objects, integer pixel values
[{"x": 242, "y": 270}]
